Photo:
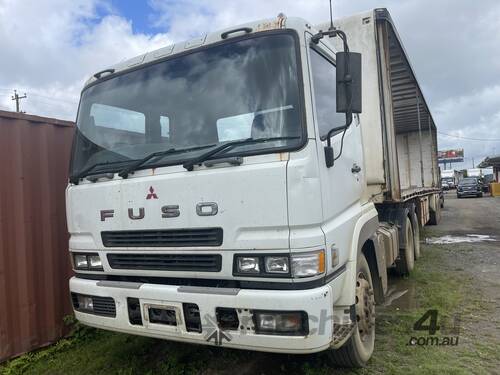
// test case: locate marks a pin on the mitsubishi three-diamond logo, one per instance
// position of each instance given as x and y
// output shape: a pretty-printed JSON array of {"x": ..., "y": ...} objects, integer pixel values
[{"x": 151, "y": 194}]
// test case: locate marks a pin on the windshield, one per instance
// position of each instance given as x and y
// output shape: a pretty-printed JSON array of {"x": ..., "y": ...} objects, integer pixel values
[
  {"x": 469, "y": 181},
  {"x": 248, "y": 88}
]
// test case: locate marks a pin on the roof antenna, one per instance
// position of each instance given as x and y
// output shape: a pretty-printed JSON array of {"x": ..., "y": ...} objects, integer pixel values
[{"x": 331, "y": 17}]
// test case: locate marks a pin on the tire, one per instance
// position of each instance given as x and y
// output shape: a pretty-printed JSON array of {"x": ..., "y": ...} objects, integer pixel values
[
  {"x": 480, "y": 195},
  {"x": 416, "y": 237},
  {"x": 435, "y": 216},
  {"x": 359, "y": 347},
  {"x": 406, "y": 260}
]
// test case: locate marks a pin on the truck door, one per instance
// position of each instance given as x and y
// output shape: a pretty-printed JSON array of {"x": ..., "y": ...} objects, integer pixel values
[{"x": 342, "y": 183}]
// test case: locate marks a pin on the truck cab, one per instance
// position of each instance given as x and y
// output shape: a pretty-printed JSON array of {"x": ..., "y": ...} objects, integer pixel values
[{"x": 214, "y": 187}]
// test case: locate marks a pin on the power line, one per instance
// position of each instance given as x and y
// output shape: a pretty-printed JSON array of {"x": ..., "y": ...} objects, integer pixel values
[
  {"x": 56, "y": 99},
  {"x": 46, "y": 97},
  {"x": 471, "y": 139},
  {"x": 53, "y": 103}
]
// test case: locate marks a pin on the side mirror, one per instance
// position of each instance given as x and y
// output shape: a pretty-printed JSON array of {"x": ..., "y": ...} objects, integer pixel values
[{"x": 348, "y": 82}]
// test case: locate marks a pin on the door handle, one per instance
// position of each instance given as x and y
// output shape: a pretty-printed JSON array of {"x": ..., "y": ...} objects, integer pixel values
[{"x": 355, "y": 168}]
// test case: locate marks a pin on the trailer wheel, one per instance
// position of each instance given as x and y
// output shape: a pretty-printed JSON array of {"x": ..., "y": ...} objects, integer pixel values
[
  {"x": 359, "y": 347},
  {"x": 435, "y": 216},
  {"x": 406, "y": 260}
]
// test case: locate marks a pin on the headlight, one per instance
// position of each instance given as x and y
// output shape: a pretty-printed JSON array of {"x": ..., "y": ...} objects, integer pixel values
[
  {"x": 80, "y": 261},
  {"x": 286, "y": 323},
  {"x": 276, "y": 264},
  {"x": 94, "y": 261},
  {"x": 87, "y": 262},
  {"x": 85, "y": 303},
  {"x": 262, "y": 265},
  {"x": 248, "y": 264},
  {"x": 308, "y": 264}
]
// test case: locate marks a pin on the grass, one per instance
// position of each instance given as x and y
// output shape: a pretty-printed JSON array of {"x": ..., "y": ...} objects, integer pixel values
[{"x": 448, "y": 290}]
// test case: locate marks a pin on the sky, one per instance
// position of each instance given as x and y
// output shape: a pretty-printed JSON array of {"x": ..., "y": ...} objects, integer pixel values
[{"x": 49, "y": 48}]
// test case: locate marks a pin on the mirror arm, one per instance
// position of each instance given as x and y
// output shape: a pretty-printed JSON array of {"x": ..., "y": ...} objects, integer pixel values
[
  {"x": 331, "y": 32},
  {"x": 328, "y": 136}
]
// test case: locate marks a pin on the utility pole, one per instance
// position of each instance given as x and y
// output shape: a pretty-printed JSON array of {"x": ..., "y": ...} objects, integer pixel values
[{"x": 17, "y": 98}]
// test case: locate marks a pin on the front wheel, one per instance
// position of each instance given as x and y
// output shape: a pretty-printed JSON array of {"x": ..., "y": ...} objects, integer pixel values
[{"x": 359, "y": 347}]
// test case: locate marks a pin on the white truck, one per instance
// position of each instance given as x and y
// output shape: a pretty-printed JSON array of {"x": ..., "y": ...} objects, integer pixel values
[
  {"x": 450, "y": 178},
  {"x": 251, "y": 187}
]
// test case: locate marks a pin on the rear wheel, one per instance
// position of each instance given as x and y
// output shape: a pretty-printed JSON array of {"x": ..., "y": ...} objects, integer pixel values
[
  {"x": 435, "y": 215},
  {"x": 359, "y": 347},
  {"x": 416, "y": 236},
  {"x": 406, "y": 260}
]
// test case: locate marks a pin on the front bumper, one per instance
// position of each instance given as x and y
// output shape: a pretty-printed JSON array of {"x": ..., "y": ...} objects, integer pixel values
[
  {"x": 464, "y": 193},
  {"x": 317, "y": 303}
]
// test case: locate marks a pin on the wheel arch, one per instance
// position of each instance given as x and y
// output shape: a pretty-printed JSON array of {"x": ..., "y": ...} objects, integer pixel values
[
  {"x": 366, "y": 242},
  {"x": 375, "y": 257}
]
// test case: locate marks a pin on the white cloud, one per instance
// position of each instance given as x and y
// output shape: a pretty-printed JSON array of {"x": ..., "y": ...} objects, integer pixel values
[
  {"x": 50, "y": 47},
  {"x": 476, "y": 115}
]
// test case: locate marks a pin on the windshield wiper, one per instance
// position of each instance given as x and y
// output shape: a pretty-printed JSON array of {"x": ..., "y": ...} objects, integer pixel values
[
  {"x": 76, "y": 177},
  {"x": 132, "y": 167},
  {"x": 189, "y": 165}
]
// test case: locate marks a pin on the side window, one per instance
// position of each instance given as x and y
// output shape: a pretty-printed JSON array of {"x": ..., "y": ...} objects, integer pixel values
[
  {"x": 324, "y": 81},
  {"x": 111, "y": 117}
]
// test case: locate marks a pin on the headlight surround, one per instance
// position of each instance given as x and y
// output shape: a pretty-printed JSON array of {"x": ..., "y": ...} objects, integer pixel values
[
  {"x": 87, "y": 262},
  {"x": 280, "y": 265}
]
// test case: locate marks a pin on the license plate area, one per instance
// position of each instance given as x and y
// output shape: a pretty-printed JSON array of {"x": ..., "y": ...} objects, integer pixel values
[{"x": 162, "y": 315}]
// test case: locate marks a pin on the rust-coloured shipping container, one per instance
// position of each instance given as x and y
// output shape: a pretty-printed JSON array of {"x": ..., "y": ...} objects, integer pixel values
[{"x": 34, "y": 262}]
